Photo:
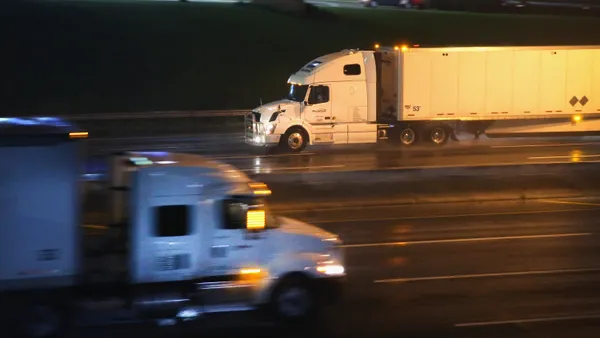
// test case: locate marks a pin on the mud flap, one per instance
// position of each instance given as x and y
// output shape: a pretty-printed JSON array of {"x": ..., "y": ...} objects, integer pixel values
[{"x": 453, "y": 136}]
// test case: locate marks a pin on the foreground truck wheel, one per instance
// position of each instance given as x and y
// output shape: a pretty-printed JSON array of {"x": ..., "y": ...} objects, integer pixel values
[
  {"x": 294, "y": 140},
  {"x": 294, "y": 301}
]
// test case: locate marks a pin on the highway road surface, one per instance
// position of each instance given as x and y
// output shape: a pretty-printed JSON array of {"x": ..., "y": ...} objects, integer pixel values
[
  {"x": 467, "y": 152},
  {"x": 496, "y": 269}
]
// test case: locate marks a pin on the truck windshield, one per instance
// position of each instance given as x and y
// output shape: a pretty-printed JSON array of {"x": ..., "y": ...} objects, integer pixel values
[{"x": 297, "y": 92}]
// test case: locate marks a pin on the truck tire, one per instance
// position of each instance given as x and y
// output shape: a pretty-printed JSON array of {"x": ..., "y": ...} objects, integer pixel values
[
  {"x": 438, "y": 135},
  {"x": 294, "y": 301},
  {"x": 294, "y": 140},
  {"x": 408, "y": 136}
]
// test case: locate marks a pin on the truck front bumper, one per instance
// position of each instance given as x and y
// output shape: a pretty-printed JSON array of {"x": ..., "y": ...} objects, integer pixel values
[{"x": 256, "y": 135}]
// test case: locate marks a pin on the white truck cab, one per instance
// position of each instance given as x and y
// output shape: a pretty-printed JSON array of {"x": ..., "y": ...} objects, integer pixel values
[
  {"x": 207, "y": 222},
  {"x": 329, "y": 102},
  {"x": 199, "y": 239}
]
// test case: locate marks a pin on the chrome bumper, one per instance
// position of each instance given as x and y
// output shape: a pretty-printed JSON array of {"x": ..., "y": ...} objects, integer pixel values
[{"x": 255, "y": 133}]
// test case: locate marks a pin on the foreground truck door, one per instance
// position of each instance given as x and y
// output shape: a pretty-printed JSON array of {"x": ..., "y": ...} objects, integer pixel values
[
  {"x": 174, "y": 245},
  {"x": 235, "y": 255}
]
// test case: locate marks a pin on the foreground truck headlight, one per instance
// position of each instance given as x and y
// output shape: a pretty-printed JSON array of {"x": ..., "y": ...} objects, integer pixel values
[{"x": 331, "y": 269}]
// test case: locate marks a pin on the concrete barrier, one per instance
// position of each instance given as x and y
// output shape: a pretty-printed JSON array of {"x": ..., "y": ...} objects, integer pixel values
[{"x": 411, "y": 174}]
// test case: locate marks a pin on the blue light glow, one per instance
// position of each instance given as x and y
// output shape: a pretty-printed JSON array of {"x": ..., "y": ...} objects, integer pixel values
[
  {"x": 34, "y": 121},
  {"x": 18, "y": 121}
]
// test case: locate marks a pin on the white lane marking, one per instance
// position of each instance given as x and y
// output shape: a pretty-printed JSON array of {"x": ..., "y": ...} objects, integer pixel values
[
  {"x": 570, "y": 203},
  {"x": 232, "y": 157},
  {"x": 466, "y": 240},
  {"x": 487, "y": 275},
  {"x": 482, "y": 165},
  {"x": 528, "y": 320},
  {"x": 563, "y": 156},
  {"x": 508, "y": 213},
  {"x": 545, "y": 145},
  {"x": 268, "y": 170}
]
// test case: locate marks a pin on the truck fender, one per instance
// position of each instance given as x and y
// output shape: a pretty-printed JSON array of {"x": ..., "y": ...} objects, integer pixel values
[
  {"x": 304, "y": 126},
  {"x": 288, "y": 263}
]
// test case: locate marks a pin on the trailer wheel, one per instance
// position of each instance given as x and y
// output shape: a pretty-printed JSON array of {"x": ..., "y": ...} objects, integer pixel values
[
  {"x": 438, "y": 135},
  {"x": 294, "y": 140},
  {"x": 408, "y": 136},
  {"x": 293, "y": 301}
]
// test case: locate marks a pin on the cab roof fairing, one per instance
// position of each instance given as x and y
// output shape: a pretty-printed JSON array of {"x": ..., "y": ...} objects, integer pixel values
[
  {"x": 221, "y": 177},
  {"x": 306, "y": 75}
]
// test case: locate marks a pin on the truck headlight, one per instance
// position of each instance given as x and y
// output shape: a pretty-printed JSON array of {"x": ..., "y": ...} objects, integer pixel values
[{"x": 331, "y": 269}]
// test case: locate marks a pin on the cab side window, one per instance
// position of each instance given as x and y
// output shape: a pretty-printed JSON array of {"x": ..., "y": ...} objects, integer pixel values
[
  {"x": 353, "y": 69},
  {"x": 234, "y": 214},
  {"x": 318, "y": 94},
  {"x": 172, "y": 220}
]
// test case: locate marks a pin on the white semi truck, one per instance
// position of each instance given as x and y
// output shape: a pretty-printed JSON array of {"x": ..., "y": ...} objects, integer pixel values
[
  {"x": 409, "y": 94},
  {"x": 198, "y": 239}
]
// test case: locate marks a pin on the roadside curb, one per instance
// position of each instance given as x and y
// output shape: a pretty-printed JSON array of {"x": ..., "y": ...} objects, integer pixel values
[{"x": 429, "y": 199}]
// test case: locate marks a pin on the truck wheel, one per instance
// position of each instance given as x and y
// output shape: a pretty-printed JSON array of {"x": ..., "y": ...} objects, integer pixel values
[
  {"x": 294, "y": 140},
  {"x": 438, "y": 135},
  {"x": 408, "y": 136},
  {"x": 294, "y": 301}
]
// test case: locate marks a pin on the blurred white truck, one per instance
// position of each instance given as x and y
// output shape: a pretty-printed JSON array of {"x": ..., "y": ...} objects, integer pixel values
[{"x": 199, "y": 239}]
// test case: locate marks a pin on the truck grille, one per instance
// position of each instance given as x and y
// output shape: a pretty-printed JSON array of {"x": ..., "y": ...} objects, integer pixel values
[
  {"x": 250, "y": 124},
  {"x": 174, "y": 262}
]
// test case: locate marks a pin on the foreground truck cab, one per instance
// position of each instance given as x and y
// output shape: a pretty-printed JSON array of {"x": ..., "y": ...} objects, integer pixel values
[
  {"x": 404, "y": 95},
  {"x": 199, "y": 240}
]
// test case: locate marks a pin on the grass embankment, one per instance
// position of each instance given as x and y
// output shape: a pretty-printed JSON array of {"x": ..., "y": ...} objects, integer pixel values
[{"x": 78, "y": 57}]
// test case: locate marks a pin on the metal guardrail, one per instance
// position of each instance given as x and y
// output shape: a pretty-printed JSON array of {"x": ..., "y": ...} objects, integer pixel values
[{"x": 156, "y": 115}]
